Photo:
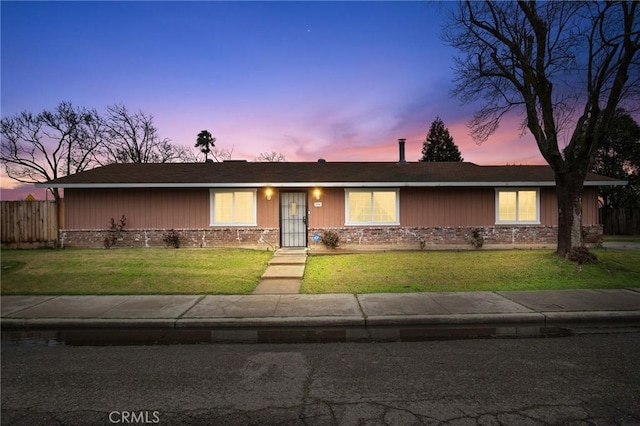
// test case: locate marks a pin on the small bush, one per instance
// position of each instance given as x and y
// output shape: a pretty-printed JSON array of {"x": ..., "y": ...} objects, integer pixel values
[
  {"x": 330, "y": 239},
  {"x": 477, "y": 240},
  {"x": 115, "y": 232},
  {"x": 172, "y": 238},
  {"x": 581, "y": 255}
]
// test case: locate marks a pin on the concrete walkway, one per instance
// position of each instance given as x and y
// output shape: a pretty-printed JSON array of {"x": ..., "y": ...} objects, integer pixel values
[
  {"x": 323, "y": 317},
  {"x": 626, "y": 245},
  {"x": 284, "y": 273}
]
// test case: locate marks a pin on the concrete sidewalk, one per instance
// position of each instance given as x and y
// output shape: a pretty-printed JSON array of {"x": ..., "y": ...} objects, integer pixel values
[
  {"x": 326, "y": 317},
  {"x": 284, "y": 273}
]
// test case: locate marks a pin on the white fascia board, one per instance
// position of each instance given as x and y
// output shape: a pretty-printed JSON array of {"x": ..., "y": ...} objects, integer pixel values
[
  {"x": 287, "y": 185},
  {"x": 318, "y": 184},
  {"x": 606, "y": 183}
]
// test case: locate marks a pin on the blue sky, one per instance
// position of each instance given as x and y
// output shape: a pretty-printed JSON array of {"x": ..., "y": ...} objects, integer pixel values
[{"x": 335, "y": 80}]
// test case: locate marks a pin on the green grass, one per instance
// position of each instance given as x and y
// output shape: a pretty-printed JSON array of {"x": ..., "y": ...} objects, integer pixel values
[
  {"x": 235, "y": 271},
  {"x": 131, "y": 271},
  {"x": 399, "y": 272}
]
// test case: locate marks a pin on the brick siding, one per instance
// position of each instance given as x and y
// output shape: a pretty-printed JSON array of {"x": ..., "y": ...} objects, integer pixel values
[
  {"x": 350, "y": 237},
  {"x": 264, "y": 238},
  {"x": 450, "y": 237}
]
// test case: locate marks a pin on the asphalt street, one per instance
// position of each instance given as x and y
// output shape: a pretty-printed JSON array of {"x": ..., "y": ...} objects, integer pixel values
[{"x": 580, "y": 380}]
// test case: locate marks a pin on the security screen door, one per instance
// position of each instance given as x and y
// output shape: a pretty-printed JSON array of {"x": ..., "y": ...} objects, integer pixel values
[{"x": 293, "y": 219}]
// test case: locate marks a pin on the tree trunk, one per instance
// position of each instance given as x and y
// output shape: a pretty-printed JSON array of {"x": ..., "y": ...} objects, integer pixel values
[
  {"x": 569, "y": 187},
  {"x": 57, "y": 199}
]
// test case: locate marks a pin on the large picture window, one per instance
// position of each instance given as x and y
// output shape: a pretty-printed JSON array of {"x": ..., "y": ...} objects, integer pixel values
[
  {"x": 234, "y": 208},
  {"x": 371, "y": 207},
  {"x": 517, "y": 206}
]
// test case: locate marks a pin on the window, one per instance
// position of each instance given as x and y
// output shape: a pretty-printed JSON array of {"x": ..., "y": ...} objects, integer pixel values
[
  {"x": 377, "y": 207},
  {"x": 517, "y": 206},
  {"x": 233, "y": 208}
]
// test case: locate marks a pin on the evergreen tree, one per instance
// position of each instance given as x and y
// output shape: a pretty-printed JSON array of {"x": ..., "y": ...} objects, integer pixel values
[
  {"x": 439, "y": 145},
  {"x": 619, "y": 157},
  {"x": 205, "y": 142}
]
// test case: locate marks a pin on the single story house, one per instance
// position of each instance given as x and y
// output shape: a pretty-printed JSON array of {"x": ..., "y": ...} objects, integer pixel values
[{"x": 289, "y": 204}]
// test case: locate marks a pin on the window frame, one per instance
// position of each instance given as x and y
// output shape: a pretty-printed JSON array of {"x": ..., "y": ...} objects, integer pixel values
[
  {"x": 517, "y": 221},
  {"x": 347, "y": 193},
  {"x": 212, "y": 211}
]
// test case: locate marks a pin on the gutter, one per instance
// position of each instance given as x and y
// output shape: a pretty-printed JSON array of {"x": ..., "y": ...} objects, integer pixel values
[{"x": 320, "y": 184}]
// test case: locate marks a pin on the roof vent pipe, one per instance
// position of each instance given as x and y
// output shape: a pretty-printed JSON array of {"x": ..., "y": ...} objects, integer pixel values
[{"x": 401, "y": 147}]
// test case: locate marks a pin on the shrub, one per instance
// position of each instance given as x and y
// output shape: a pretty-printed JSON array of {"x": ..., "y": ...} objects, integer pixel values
[
  {"x": 172, "y": 238},
  {"x": 476, "y": 240},
  {"x": 115, "y": 232},
  {"x": 330, "y": 239},
  {"x": 423, "y": 244},
  {"x": 581, "y": 255}
]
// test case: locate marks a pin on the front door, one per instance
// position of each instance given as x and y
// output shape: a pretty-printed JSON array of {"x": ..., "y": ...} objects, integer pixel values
[{"x": 293, "y": 219}]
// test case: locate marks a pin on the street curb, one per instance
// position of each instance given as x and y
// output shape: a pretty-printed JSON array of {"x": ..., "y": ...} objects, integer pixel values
[
  {"x": 456, "y": 319},
  {"x": 93, "y": 323},
  {"x": 543, "y": 319},
  {"x": 354, "y": 328},
  {"x": 271, "y": 322},
  {"x": 607, "y": 317}
]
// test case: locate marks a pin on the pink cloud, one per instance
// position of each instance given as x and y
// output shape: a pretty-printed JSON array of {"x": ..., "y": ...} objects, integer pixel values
[
  {"x": 505, "y": 146},
  {"x": 21, "y": 191}
]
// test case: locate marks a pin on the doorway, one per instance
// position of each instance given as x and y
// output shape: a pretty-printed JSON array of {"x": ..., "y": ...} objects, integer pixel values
[{"x": 293, "y": 219}]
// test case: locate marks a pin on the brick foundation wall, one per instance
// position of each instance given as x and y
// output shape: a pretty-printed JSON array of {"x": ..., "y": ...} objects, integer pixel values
[
  {"x": 350, "y": 237},
  {"x": 451, "y": 237},
  {"x": 263, "y": 238}
]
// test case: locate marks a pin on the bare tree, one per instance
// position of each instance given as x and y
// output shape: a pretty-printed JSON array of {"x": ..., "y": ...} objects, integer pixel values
[
  {"x": 49, "y": 145},
  {"x": 133, "y": 138},
  {"x": 564, "y": 66},
  {"x": 220, "y": 154},
  {"x": 271, "y": 157},
  {"x": 216, "y": 154}
]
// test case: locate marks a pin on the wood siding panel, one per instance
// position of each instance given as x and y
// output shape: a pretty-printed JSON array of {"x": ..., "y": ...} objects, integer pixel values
[
  {"x": 143, "y": 208},
  {"x": 268, "y": 210},
  {"x": 549, "y": 206},
  {"x": 590, "y": 206},
  {"x": 189, "y": 207},
  {"x": 447, "y": 207},
  {"x": 331, "y": 214}
]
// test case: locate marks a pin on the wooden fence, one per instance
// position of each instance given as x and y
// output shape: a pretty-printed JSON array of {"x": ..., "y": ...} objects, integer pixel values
[
  {"x": 26, "y": 224},
  {"x": 623, "y": 221}
]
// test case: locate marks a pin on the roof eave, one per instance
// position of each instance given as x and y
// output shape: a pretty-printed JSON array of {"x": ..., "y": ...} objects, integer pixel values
[
  {"x": 312, "y": 184},
  {"x": 607, "y": 183}
]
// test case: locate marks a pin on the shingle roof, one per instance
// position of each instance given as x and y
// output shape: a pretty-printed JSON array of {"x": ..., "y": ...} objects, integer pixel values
[{"x": 235, "y": 174}]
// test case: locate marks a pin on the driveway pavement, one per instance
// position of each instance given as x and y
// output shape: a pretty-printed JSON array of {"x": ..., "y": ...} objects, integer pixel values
[{"x": 621, "y": 245}]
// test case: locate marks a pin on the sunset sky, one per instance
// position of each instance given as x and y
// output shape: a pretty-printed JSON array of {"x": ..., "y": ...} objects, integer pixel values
[{"x": 335, "y": 80}]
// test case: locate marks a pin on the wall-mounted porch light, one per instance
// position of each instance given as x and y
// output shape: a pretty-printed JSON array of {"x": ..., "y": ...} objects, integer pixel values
[
  {"x": 316, "y": 193},
  {"x": 268, "y": 193}
]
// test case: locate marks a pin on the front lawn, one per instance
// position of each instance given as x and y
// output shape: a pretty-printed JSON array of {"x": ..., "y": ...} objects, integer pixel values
[
  {"x": 234, "y": 271},
  {"x": 400, "y": 272},
  {"x": 132, "y": 271}
]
